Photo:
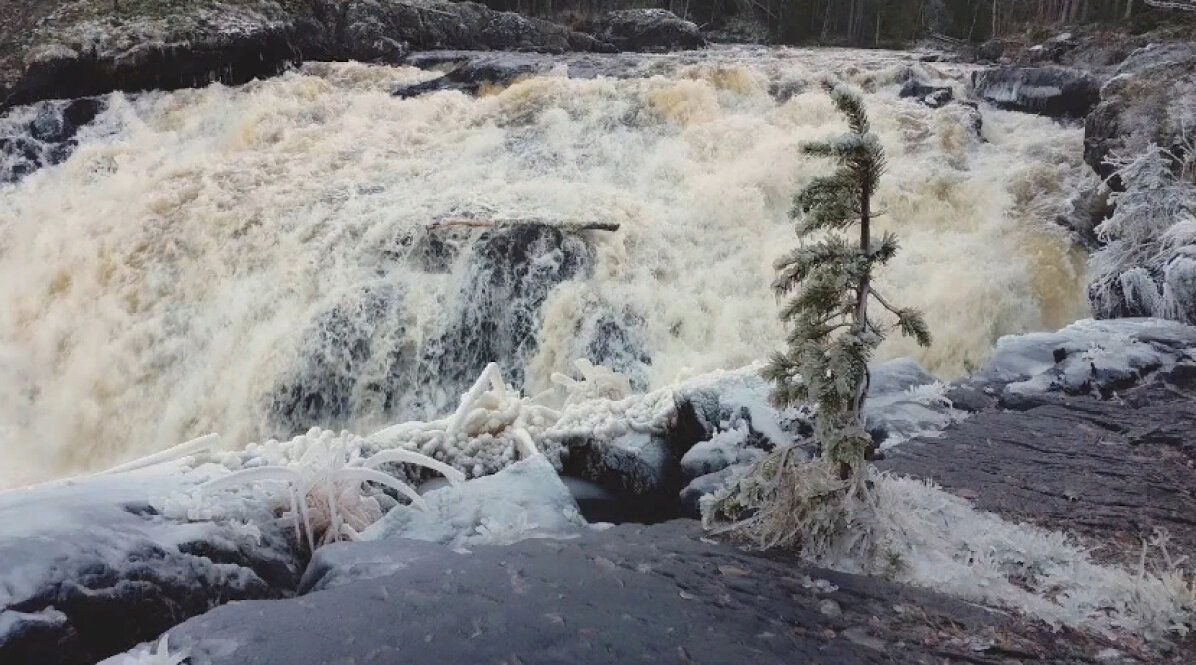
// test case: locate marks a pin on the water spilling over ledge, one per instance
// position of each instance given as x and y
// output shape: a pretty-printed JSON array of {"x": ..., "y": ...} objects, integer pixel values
[{"x": 260, "y": 259}]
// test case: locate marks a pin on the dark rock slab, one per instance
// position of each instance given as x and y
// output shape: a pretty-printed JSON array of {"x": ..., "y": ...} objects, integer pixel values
[
  {"x": 496, "y": 312},
  {"x": 1053, "y": 91},
  {"x": 653, "y": 30},
  {"x": 628, "y": 594},
  {"x": 469, "y": 74},
  {"x": 1112, "y": 471}
]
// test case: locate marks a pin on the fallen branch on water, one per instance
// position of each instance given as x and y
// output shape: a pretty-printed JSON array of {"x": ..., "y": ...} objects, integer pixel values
[{"x": 494, "y": 223}]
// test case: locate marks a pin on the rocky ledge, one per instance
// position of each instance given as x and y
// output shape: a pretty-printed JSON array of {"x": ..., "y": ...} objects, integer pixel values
[{"x": 67, "y": 49}]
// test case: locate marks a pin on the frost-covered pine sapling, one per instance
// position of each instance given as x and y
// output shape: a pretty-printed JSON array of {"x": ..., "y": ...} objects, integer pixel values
[
  {"x": 828, "y": 281},
  {"x": 829, "y": 278}
]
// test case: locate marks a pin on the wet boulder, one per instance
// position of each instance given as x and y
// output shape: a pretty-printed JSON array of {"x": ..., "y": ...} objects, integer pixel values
[
  {"x": 1053, "y": 91},
  {"x": 926, "y": 93},
  {"x": 42, "y": 135},
  {"x": 470, "y": 74},
  {"x": 648, "y": 30}
]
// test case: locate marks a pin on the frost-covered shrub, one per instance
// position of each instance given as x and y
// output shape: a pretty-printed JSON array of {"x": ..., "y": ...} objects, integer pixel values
[{"x": 1148, "y": 264}]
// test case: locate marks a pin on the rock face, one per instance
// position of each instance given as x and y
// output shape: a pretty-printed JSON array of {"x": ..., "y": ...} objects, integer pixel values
[
  {"x": 1150, "y": 99},
  {"x": 1052, "y": 91},
  {"x": 90, "y": 569},
  {"x": 654, "y": 30},
  {"x": 627, "y": 594},
  {"x": 88, "y": 47}
]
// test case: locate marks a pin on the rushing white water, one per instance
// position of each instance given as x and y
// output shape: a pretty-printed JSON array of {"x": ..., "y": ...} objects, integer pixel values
[{"x": 203, "y": 250}]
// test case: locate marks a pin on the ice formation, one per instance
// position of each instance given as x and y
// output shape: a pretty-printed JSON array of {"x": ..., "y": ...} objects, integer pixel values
[{"x": 1148, "y": 264}]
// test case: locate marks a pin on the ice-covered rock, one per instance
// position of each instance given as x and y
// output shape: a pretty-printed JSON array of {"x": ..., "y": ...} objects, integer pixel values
[
  {"x": 1151, "y": 99},
  {"x": 524, "y": 500},
  {"x": 724, "y": 449},
  {"x": 1088, "y": 357},
  {"x": 92, "y": 566},
  {"x": 1053, "y": 91}
]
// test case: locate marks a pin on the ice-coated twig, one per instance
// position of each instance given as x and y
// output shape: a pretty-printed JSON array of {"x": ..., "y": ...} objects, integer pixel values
[
  {"x": 399, "y": 455},
  {"x": 201, "y": 444}
]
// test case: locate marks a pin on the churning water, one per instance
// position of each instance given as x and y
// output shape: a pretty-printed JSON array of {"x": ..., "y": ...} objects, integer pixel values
[{"x": 311, "y": 250}]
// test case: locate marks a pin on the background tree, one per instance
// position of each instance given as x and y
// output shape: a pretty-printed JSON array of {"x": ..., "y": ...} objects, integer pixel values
[{"x": 832, "y": 336}]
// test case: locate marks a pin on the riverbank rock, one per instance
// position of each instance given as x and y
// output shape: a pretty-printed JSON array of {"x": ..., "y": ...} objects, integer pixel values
[
  {"x": 631, "y": 593},
  {"x": 88, "y": 47},
  {"x": 652, "y": 30},
  {"x": 92, "y": 566},
  {"x": 1053, "y": 91},
  {"x": 1151, "y": 98}
]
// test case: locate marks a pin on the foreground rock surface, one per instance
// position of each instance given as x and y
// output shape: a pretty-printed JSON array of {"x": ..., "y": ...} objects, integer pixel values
[
  {"x": 627, "y": 594},
  {"x": 60, "y": 49}
]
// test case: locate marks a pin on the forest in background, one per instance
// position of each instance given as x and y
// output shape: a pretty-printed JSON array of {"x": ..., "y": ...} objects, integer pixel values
[{"x": 878, "y": 22}]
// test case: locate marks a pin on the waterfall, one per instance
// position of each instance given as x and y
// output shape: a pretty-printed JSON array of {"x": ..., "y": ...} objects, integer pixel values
[{"x": 291, "y": 252}]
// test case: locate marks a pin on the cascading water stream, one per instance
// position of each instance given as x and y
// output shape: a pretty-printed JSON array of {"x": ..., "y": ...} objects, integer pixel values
[{"x": 257, "y": 260}]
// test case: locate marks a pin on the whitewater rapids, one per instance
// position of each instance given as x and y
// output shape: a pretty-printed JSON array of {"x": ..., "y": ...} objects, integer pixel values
[{"x": 164, "y": 280}]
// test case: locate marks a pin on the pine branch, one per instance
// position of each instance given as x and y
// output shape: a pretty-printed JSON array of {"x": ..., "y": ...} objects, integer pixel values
[
  {"x": 883, "y": 303},
  {"x": 880, "y": 253},
  {"x": 912, "y": 324}
]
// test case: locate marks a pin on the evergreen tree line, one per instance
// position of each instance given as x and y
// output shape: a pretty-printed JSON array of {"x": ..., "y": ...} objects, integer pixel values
[{"x": 875, "y": 22}]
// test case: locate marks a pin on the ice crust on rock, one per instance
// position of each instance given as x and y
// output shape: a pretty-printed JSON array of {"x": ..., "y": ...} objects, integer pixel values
[
  {"x": 1089, "y": 355},
  {"x": 524, "y": 500}
]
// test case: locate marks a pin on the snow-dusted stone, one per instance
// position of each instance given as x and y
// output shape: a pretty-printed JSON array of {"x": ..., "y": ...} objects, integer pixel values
[
  {"x": 658, "y": 30},
  {"x": 1052, "y": 91},
  {"x": 724, "y": 449},
  {"x": 691, "y": 495},
  {"x": 524, "y": 500},
  {"x": 1088, "y": 357},
  {"x": 92, "y": 566},
  {"x": 1180, "y": 282}
]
